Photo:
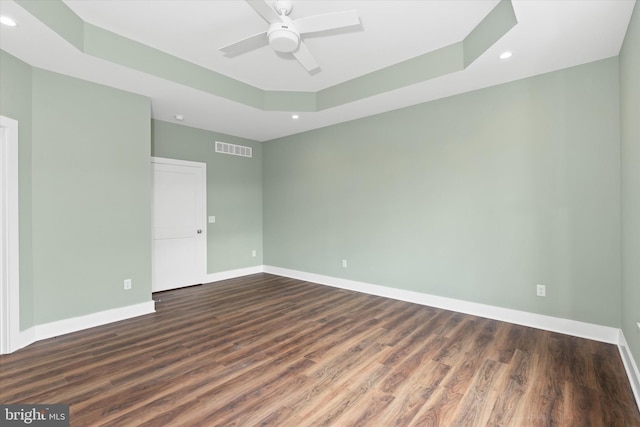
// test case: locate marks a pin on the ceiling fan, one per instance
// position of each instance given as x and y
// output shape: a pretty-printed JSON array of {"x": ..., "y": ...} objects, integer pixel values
[{"x": 284, "y": 33}]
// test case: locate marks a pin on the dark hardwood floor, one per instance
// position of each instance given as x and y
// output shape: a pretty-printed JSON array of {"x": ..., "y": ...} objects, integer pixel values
[{"x": 270, "y": 351}]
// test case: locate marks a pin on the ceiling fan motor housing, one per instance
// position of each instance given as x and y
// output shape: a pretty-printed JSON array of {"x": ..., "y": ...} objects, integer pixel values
[
  {"x": 283, "y": 37},
  {"x": 283, "y": 34}
]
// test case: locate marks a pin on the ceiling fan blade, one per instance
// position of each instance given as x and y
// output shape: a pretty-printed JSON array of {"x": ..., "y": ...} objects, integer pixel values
[
  {"x": 263, "y": 9},
  {"x": 304, "y": 57},
  {"x": 245, "y": 45},
  {"x": 327, "y": 21}
]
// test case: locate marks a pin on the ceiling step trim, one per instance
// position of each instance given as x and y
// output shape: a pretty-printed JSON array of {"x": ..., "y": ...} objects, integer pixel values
[{"x": 106, "y": 45}]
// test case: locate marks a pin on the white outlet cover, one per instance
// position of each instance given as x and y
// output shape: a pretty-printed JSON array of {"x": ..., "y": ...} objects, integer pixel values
[{"x": 212, "y": 219}]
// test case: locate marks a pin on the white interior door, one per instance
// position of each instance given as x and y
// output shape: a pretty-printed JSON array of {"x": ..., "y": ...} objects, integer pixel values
[{"x": 179, "y": 232}]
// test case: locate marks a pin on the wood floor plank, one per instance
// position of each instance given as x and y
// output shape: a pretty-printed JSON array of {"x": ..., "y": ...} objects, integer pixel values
[
  {"x": 415, "y": 340},
  {"x": 413, "y": 394},
  {"x": 513, "y": 389},
  {"x": 335, "y": 409},
  {"x": 439, "y": 409},
  {"x": 478, "y": 403},
  {"x": 264, "y": 350}
]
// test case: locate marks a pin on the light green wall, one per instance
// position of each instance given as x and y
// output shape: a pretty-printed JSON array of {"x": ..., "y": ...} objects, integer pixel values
[
  {"x": 630, "y": 124},
  {"x": 85, "y": 169},
  {"x": 91, "y": 198},
  {"x": 234, "y": 192},
  {"x": 15, "y": 87},
  {"x": 478, "y": 197}
]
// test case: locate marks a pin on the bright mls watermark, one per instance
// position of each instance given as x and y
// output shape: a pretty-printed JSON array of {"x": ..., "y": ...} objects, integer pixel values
[{"x": 34, "y": 415}]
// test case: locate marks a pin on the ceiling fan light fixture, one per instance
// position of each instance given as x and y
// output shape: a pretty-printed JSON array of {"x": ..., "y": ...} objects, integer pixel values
[{"x": 283, "y": 38}]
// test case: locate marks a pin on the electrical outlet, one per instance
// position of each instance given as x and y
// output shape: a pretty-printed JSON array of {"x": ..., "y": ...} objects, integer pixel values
[
  {"x": 253, "y": 253},
  {"x": 344, "y": 263},
  {"x": 541, "y": 290},
  {"x": 127, "y": 284},
  {"x": 212, "y": 219}
]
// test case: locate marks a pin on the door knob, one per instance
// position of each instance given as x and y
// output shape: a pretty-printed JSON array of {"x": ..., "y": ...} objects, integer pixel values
[{"x": 199, "y": 231}]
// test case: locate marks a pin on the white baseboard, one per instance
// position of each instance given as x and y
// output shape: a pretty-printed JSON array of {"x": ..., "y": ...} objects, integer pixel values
[
  {"x": 66, "y": 326},
  {"x": 74, "y": 324},
  {"x": 25, "y": 338},
  {"x": 630, "y": 366},
  {"x": 564, "y": 326},
  {"x": 555, "y": 324},
  {"x": 232, "y": 274}
]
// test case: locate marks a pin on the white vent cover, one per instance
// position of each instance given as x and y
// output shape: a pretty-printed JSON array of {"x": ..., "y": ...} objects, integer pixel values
[{"x": 233, "y": 149}]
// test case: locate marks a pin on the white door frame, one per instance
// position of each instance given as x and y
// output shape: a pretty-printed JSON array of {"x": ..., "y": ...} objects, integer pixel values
[
  {"x": 9, "y": 249},
  {"x": 203, "y": 213}
]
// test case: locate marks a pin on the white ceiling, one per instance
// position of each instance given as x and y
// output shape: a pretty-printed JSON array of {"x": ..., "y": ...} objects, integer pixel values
[{"x": 550, "y": 35}]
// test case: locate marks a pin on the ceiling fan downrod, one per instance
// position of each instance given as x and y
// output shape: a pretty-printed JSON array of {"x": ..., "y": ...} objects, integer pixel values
[{"x": 283, "y": 7}]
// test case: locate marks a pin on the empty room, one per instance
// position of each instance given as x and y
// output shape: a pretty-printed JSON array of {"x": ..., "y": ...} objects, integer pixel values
[{"x": 320, "y": 212}]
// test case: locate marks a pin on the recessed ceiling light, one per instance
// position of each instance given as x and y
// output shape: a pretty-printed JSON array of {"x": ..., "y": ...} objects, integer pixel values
[
  {"x": 295, "y": 116},
  {"x": 5, "y": 20},
  {"x": 179, "y": 117},
  {"x": 506, "y": 54}
]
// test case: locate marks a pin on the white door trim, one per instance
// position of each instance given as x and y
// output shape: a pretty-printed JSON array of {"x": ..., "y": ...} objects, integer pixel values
[
  {"x": 9, "y": 249},
  {"x": 203, "y": 166}
]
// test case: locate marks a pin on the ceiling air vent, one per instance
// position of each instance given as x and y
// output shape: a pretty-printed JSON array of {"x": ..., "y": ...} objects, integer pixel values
[{"x": 234, "y": 150}]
